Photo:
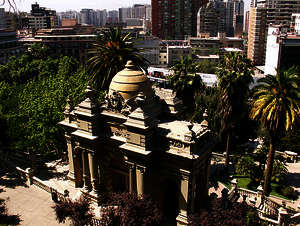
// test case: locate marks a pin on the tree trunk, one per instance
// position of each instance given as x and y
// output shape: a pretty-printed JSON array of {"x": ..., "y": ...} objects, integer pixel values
[
  {"x": 268, "y": 174},
  {"x": 227, "y": 150}
]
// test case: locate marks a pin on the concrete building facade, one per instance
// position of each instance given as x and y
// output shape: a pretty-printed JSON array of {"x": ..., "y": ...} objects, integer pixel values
[
  {"x": 120, "y": 145},
  {"x": 283, "y": 50},
  {"x": 257, "y": 35},
  {"x": 175, "y": 19}
]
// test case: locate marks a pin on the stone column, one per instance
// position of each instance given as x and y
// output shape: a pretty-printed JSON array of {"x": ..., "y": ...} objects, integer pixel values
[
  {"x": 71, "y": 175},
  {"x": 131, "y": 177},
  {"x": 140, "y": 170},
  {"x": 183, "y": 199},
  {"x": 94, "y": 174},
  {"x": 85, "y": 171}
]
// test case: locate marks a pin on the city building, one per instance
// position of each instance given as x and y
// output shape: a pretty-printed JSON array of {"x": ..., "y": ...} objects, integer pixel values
[
  {"x": 246, "y": 27},
  {"x": 267, "y": 12},
  {"x": 280, "y": 11},
  {"x": 133, "y": 142},
  {"x": 3, "y": 24},
  {"x": 139, "y": 11},
  {"x": 283, "y": 49},
  {"x": 229, "y": 15},
  {"x": 113, "y": 17},
  {"x": 41, "y": 18},
  {"x": 238, "y": 17},
  {"x": 221, "y": 16},
  {"x": 295, "y": 23},
  {"x": 257, "y": 35},
  {"x": 170, "y": 51},
  {"x": 72, "y": 40},
  {"x": 68, "y": 15},
  {"x": 134, "y": 22},
  {"x": 175, "y": 19},
  {"x": 125, "y": 13},
  {"x": 206, "y": 45},
  {"x": 87, "y": 16},
  {"x": 9, "y": 46},
  {"x": 211, "y": 18}
]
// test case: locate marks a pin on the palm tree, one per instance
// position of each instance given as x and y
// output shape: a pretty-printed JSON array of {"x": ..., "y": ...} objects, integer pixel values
[
  {"x": 234, "y": 75},
  {"x": 185, "y": 82},
  {"x": 111, "y": 51},
  {"x": 276, "y": 103},
  {"x": 184, "y": 65}
]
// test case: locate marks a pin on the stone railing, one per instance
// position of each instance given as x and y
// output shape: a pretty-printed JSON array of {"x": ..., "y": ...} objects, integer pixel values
[{"x": 268, "y": 210}]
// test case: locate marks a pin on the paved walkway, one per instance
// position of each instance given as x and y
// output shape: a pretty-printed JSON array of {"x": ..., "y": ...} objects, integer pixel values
[{"x": 32, "y": 204}]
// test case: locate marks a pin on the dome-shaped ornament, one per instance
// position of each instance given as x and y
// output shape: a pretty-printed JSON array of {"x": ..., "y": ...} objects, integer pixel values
[{"x": 129, "y": 82}]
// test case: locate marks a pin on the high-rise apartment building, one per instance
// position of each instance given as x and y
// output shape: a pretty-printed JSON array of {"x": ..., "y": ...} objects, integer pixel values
[
  {"x": 211, "y": 18},
  {"x": 139, "y": 11},
  {"x": 125, "y": 13},
  {"x": 257, "y": 35},
  {"x": 2, "y": 18},
  {"x": 175, "y": 19},
  {"x": 101, "y": 17},
  {"x": 41, "y": 18},
  {"x": 276, "y": 12},
  {"x": 113, "y": 17},
  {"x": 280, "y": 11},
  {"x": 238, "y": 17},
  {"x": 221, "y": 16},
  {"x": 246, "y": 26}
]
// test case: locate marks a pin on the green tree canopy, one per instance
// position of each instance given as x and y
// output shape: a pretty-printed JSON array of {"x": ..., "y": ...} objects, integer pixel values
[
  {"x": 235, "y": 75},
  {"x": 33, "y": 95}
]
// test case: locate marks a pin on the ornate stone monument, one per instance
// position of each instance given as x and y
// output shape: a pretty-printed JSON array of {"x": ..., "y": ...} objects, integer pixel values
[{"x": 132, "y": 142}]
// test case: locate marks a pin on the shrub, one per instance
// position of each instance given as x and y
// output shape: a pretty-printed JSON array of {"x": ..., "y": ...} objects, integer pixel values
[
  {"x": 289, "y": 192},
  {"x": 247, "y": 166},
  {"x": 279, "y": 171},
  {"x": 128, "y": 209},
  {"x": 224, "y": 212},
  {"x": 78, "y": 211}
]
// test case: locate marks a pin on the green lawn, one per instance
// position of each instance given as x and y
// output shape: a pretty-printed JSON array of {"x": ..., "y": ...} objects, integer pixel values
[{"x": 244, "y": 182}]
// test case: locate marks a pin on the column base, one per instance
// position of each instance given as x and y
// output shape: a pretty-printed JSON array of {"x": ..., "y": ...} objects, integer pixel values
[
  {"x": 92, "y": 196},
  {"x": 71, "y": 178},
  {"x": 181, "y": 220}
]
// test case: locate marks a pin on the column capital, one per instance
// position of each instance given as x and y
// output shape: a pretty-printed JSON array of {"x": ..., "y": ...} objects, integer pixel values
[
  {"x": 142, "y": 169},
  {"x": 184, "y": 174},
  {"x": 130, "y": 165}
]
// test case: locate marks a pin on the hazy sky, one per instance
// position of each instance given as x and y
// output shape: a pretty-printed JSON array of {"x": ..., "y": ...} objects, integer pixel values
[{"x": 63, "y": 5}]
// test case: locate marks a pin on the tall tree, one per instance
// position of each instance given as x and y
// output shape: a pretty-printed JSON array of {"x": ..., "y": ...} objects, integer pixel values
[
  {"x": 185, "y": 82},
  {"x": 234, "y": 75},
  {"x": 112, "y": 50},
  {"x": 276, "y": 103}
]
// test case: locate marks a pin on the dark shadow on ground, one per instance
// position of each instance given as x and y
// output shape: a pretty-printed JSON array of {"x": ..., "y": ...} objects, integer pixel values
[
  {"x": 10, "y": 179},
  {"x": 47, "y": 172},
  {"x": 5, "y": 218},
  {"x": 10, "y": 220}
]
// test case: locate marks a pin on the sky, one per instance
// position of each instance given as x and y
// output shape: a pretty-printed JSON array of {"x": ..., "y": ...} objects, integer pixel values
[{"x": 63, "y": 5}]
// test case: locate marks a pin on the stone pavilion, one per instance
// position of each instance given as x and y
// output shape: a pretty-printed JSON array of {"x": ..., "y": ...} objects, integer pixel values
[{"x": 133, "y": 142}]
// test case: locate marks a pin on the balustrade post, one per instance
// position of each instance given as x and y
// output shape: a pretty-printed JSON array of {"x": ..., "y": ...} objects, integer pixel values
[
  {"x": 29, "y": 175},
  {"x": 260, "y": 194},
  {"x": 282, "y": 215}
]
